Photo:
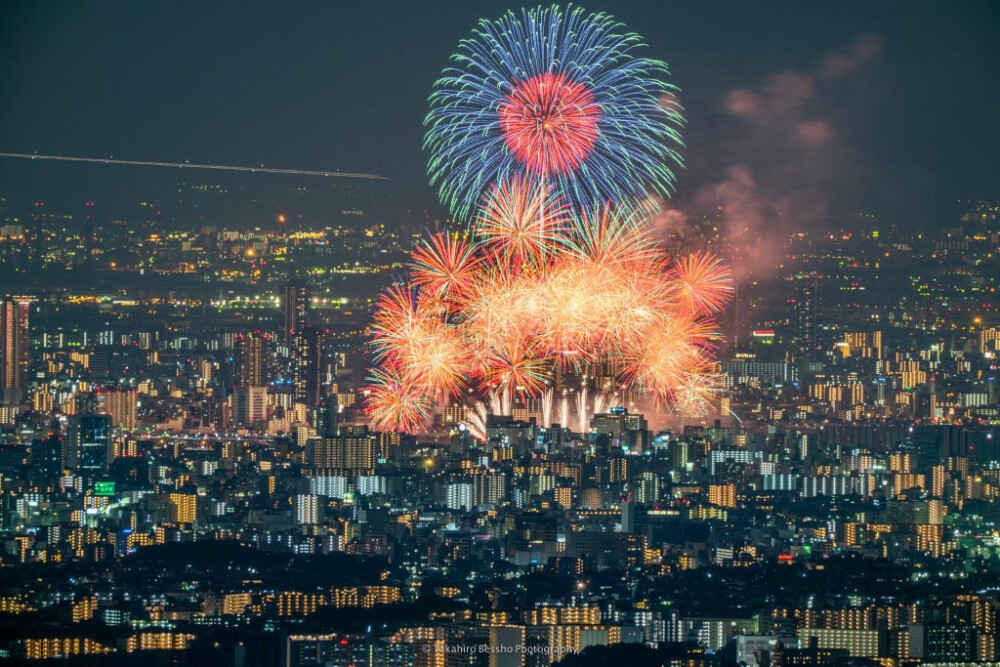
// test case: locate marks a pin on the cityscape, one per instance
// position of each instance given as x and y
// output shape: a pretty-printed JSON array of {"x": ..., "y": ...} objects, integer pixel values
[{"x": 566, "y": 396}]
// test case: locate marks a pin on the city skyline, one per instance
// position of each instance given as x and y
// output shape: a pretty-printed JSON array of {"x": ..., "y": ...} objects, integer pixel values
[{"x": 665, "y": 336}]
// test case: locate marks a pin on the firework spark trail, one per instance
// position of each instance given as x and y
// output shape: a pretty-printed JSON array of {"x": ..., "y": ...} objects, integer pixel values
[
  {"x": 583, "y": 420},
  {"x": 603, "y": 401},
  {"x": 475, "y": 421},
  {"x": 547, "y": 401}
]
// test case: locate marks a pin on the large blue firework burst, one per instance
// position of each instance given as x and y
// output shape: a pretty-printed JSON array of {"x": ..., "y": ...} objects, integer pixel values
[{"x": 555, "y": 95}]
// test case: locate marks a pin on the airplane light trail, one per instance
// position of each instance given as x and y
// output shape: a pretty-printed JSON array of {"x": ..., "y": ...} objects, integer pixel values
[{"x": 188, "y": 165}]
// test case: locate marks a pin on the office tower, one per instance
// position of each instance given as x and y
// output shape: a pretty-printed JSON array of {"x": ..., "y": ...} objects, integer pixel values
[
  {"x": 806, "y": 315},
  {"x": 627, "y": 515},
  {"x": 249, "y": 405},
  {"x": 15, "y": 348},
  {"x": 307, "y": 357},
  {"x": 253, "y": 359},
  {"x": 295, "y": 310},
  {"x": 88, "y": 443},
  {"x": 121, "y": 404},
  {"x": 325, "y": 419}
]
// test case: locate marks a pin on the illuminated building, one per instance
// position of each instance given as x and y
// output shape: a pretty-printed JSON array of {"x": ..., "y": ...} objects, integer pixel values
[
  {"x": 859, "y": 643},
  {"x": 88, "y": 443},
  {"x": 121, "y": 405},
  {"x": 15, "y": 346},
  {"x": 253, "y": 359},
  {"x": 308, "y": 509},
  {"x": 294, "y": 309},
  {"x": 307, "y": 359},
  {"x": 184, "y": 507},
  {"x": 158, "y": 641},
  {"x": 249, "y": 405},
  {"x": 722, "y": 495}
]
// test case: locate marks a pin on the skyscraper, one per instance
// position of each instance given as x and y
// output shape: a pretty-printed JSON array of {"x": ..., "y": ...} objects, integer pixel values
[
  {"x": 47, "y": 456},
  {"x": 253, "y": 357},
  {"x": 806, "y": 315},
  {"x": 88, "y": 443},
  {"x": 325, "y": 419},
  {"x": 307, "y": 358},
  {"x": 295, "y": 309},
  {"x": 15, "y": 348}
]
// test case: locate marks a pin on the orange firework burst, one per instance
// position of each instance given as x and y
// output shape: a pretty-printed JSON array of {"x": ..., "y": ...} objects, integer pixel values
[
  {"x": 394, "y": 402},
  {"x": 540, "y": 288},
  {"x": 677, "y": 348},
  {"x": 418, "y": 344},
  {"x": 520, "y": 219},
  {"x": 516, "y": 365},
  {"x": 705, "y": 283},
  {"x": 445, "y": 266}
]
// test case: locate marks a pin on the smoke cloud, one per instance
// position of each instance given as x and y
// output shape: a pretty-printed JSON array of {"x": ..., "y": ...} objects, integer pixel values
[{"x": 784, "y": 157}]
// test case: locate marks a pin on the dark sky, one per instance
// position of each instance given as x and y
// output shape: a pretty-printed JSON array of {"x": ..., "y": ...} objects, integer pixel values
[{"x": 808, "y": 110}]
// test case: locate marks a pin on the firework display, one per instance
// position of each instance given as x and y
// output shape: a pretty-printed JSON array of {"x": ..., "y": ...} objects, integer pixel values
[
  {"x": 499, "y": 310},
  {"x": 559, "y": 95},
  {"x": 551, "y": 132}
]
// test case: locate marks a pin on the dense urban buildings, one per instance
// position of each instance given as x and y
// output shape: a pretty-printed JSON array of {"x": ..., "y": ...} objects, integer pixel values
[
  {"x": 689, "y": 365},
  {"x": 190, "y": 466}
]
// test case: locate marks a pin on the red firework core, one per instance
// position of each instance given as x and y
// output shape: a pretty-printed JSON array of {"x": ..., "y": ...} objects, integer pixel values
[{"x": 550, "y": 123}]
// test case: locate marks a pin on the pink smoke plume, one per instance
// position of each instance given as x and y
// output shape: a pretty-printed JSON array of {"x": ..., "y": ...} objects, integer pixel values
[{"x": 780, "y": 173}]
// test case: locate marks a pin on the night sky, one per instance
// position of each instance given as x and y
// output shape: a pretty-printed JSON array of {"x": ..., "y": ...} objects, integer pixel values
[{"x": 805, "y": 111}]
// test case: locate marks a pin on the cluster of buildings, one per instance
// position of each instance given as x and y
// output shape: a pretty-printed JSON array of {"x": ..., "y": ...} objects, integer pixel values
[{"x": 191, "y": 474}]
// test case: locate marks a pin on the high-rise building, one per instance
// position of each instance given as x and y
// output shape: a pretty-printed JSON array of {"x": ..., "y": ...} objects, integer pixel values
[
  {"x": 88, "y": 443},
  {"x": 326, "y": 417},
  {"x": 723, "y": 495},
  {"x": 307, "y": 358},
  {"x": 308, "y": 509},
  {"x": 355, "y": 450},
  {"x": 121, "y": 404},
  {"x": 806, "y": 315},
  {"x": 253, "y": 357},
  {"x": 182, "y": 507},
  {"x": 295, "y": 310},
  {"x": 15, "y": 347},
  {"x": 617, "y": 423},
  {"x": 47, "y": 456},
  {"x": 249, "y": 405},
  {"x": 648, "y": 487}
]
